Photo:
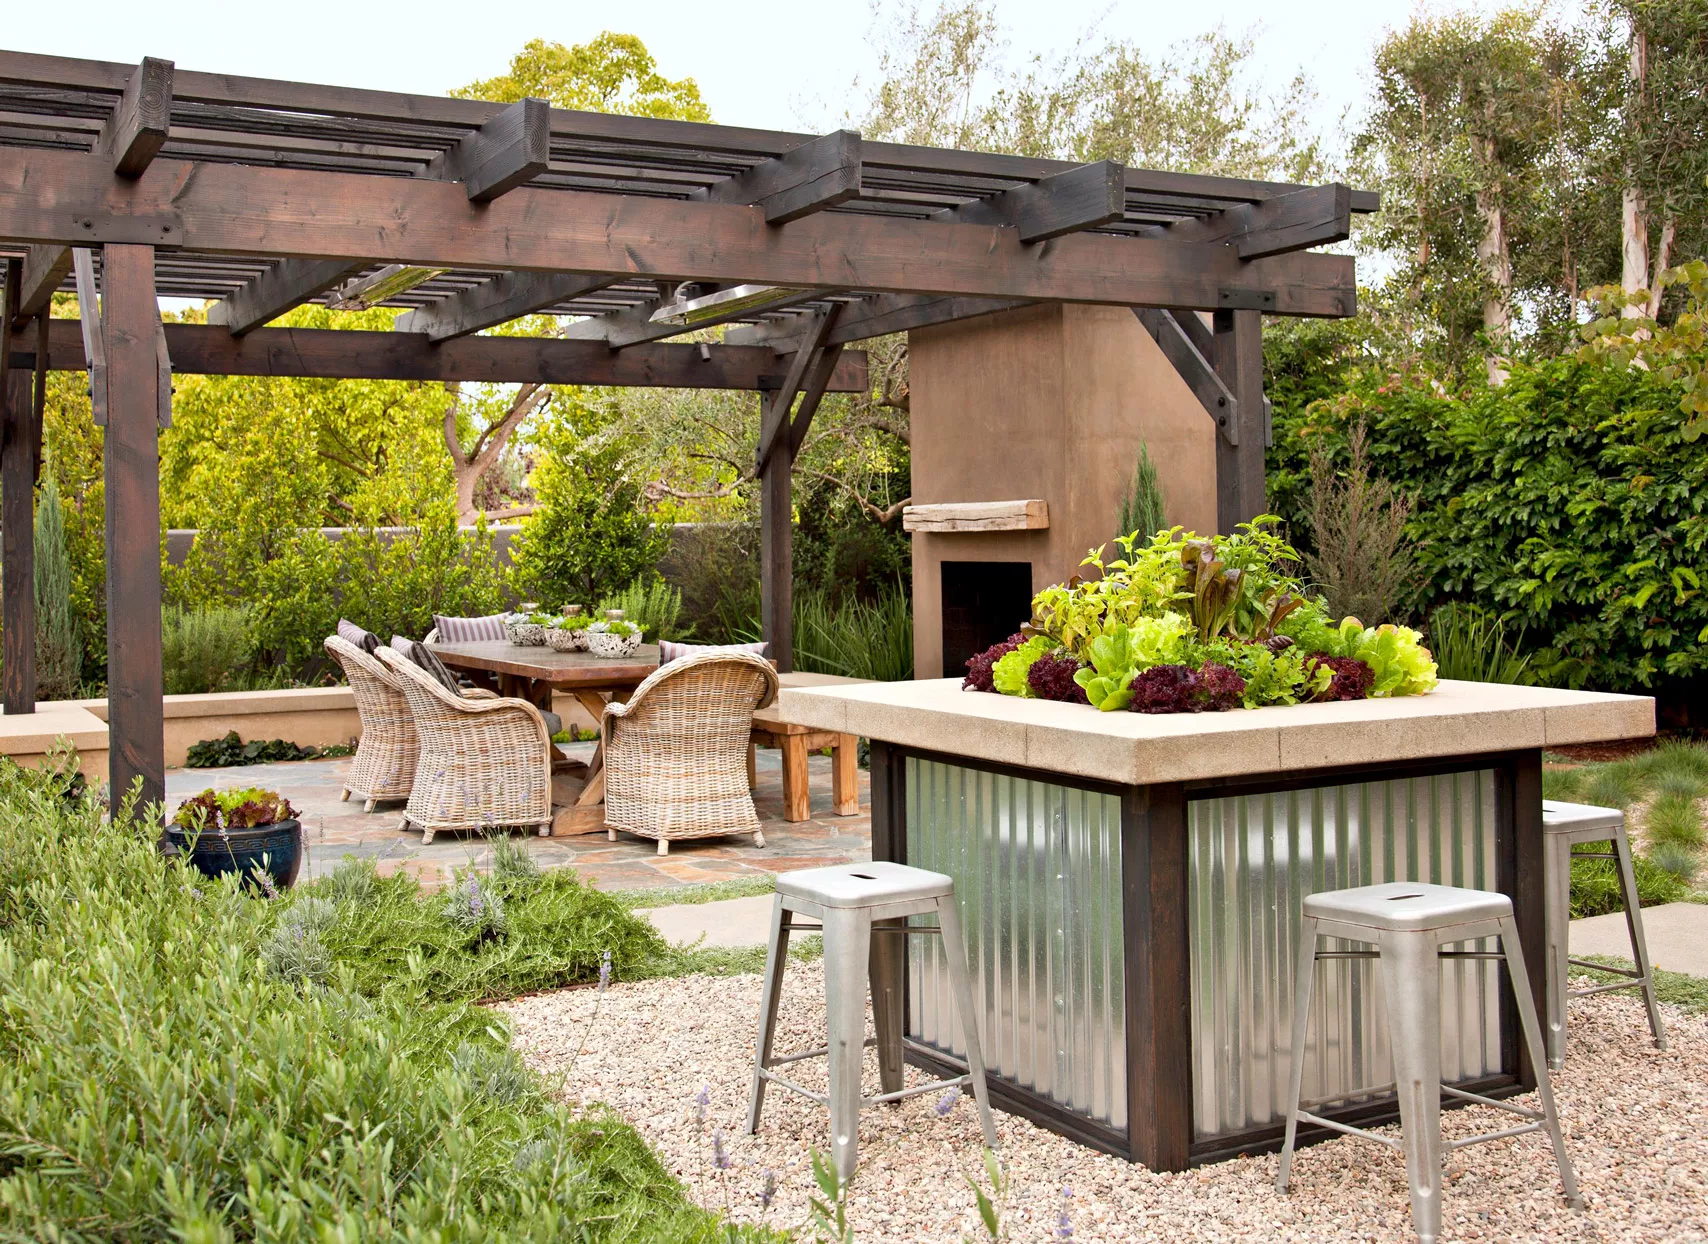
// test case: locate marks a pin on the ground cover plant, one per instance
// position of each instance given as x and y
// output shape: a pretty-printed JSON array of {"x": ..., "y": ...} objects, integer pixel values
[
  {"x": 1188, "y": 624},
  {"x": 168, "y": 1071}
]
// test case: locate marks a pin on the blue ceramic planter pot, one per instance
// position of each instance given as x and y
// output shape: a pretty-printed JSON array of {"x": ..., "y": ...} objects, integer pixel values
[{"x": 275, "y": 849}]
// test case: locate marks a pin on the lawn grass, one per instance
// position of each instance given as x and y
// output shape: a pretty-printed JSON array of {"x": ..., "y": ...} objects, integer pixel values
[
  {"x": 1660, "y": 790},
  {"x": 704, "y": 892},
  {"x": 1689, "y": 993}
]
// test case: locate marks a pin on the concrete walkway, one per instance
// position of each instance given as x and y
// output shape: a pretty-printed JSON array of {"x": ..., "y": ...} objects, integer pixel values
[
  {"x": 1676, "y": 933},
  {"x": 729, "y": 922}
]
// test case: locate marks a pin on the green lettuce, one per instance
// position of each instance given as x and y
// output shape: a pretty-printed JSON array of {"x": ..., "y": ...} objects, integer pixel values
[
  {"x": 1403, "y": 666},
  {"x": 1008, "y": 675},
  {"x": 1108, "y": 682},
  {"x": 1286, "y": 677}
]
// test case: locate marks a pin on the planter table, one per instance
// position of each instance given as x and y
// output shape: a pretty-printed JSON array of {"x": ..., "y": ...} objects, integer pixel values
[
  {"x": 1131, "y": 885},
  {"x": 533, "y": 674}
]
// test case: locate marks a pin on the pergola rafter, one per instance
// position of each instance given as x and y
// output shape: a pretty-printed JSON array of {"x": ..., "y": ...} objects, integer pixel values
[{"x": 260, "y": 195}]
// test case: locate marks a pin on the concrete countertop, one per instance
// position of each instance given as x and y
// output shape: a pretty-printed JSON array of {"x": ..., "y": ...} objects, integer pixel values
[{"x": 1457, "y": 718}]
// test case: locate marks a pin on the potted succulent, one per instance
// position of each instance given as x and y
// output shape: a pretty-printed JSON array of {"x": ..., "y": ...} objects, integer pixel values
[
  {"x": 568, "y": 633},
  {"x": 614, "y": 637},
  {"x": 251, "y": 832},
  {"x": 529, "y": 629},
  {"x": 513, "y": 622}
]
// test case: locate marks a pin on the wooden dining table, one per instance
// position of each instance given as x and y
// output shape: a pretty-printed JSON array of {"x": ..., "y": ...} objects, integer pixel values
[{"x": 535, "y": 674}]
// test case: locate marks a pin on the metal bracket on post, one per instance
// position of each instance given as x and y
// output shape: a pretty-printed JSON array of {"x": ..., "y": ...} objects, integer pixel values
[
  {"x": 94, "y": 343},
  {"x": 163, "y": 362}
]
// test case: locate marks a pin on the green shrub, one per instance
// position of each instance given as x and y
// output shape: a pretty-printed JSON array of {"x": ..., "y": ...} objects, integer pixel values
[
  {"x": 592, "y": 530},
  {"x": 1568, "y": 499},
  {"x": 156, "y": 1084},
  {"x": 230, "y": 749},
  {"x": 59, "y": 646},
  {"x": 651, "y": 604},
  {"x": 203, "y": 649}
]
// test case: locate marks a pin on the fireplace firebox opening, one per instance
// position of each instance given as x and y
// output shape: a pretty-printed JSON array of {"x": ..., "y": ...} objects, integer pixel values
[{"x": 983, "y": 604}]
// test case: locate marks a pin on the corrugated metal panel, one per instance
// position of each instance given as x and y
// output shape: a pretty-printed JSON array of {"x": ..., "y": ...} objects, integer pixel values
[
  {"x": 1253, "y": 859},
  {"x": 1037, "y": 871}
]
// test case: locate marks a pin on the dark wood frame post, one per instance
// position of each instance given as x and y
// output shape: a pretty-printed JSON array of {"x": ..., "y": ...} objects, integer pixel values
[
  {"x": 776, "y": 541},
  {"x": 1520, "y": 793},
  {"x": 1237, "y": 345},
  {"x": 18, "y": 435},
  {"x": 130, "y": 319},
  {"x": 1159, "y": 982}
]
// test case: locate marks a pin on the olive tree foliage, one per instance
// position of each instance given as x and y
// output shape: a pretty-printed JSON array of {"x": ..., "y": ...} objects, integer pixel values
[
  {"x": 1524, "y": 160},
  {"x": 945, "y": 80}
]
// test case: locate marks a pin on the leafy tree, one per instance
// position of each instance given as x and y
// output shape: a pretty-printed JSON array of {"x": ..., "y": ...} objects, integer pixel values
[
  {"x": 611, "y": 73},
  {"x": 591, "y": 533}
]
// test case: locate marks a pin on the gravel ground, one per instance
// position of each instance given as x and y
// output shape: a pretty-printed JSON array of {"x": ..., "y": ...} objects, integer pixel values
[{"x": 1636, "y": 1120}]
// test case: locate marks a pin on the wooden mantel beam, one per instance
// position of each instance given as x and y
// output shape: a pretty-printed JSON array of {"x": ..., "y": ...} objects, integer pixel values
[
  {"x": 64, "y": 197},
  {"x": 202, "y": 349}
]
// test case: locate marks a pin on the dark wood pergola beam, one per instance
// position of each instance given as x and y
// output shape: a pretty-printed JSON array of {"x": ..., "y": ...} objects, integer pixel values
[
  {"x": 814, "y": 176},
  {"x": 321, "y": 353},
  {"x": 136, "y": 131},
  {"x": 1289, "y": 222},
  {"x": 63, "y": 197},
  {"x": 1062, "y": 203},
  {"x": 509, "y": 150},
  {"x": 44, "y": 271},
  {"x": 235, "y": 90}
]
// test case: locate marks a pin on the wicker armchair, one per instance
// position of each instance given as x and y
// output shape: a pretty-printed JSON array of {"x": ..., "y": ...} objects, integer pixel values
[
  {"x": 676, "y": 752},
  {"x": 485, "y": 761},
  {"x": 384, "y": 767}
]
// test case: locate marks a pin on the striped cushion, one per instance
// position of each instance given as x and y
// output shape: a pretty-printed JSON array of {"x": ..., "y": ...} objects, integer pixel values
[
  {"x": 429, "y": 664},
  {"x": 668, "y": 652},
  {"x": 355, "y": 636},
  {"x": 469, "y": 630}
]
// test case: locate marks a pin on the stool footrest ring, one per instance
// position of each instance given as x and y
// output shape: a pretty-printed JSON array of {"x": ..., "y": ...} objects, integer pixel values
[
  {"x": 777, "y": 1060},
  {"x": 1611, "y": 985},
  {"x": 916, "y": 1090},
  {"x": 1526, "y": 1129},
  {"x": 821, "y": 1098},
  {"x": 1338, "y": 1126}
]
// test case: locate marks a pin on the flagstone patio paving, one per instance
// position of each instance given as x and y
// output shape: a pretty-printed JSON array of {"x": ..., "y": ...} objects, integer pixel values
[{"x": 334, "y": 829}]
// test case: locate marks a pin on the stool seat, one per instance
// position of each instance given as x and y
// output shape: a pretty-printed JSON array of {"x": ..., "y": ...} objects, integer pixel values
[
  {"x": 1566, "y": 827},
  {"x": 1407, "y": 906},
  {"x": 1559, "y": 817},
  {"x": 874, "y": 884},
  {"x": 863, "y": 912}
]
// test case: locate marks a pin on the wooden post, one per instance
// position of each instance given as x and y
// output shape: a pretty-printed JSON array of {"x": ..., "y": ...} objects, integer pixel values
[
  {"x": 776, "y": 545},
  {"x": 1158, "y": 977},
  {"x": 17, "y": 509},
  {"x": 1238, "y": 351},
  {"x": 130, "y": 319}
]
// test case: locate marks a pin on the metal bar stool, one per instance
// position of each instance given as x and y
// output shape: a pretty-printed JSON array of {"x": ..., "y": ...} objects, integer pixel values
[
  {"x": 1409, "y": 922},
  {"x": 1566, "y": 825},
  {"x": 852, "y": 902}
]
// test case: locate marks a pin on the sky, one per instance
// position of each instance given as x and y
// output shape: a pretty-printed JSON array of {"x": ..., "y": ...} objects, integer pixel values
[{"x": 774, "y": 67}]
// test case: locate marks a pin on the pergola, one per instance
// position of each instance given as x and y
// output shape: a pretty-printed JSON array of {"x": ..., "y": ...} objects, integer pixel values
[{"x": 139, "y": 181}]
